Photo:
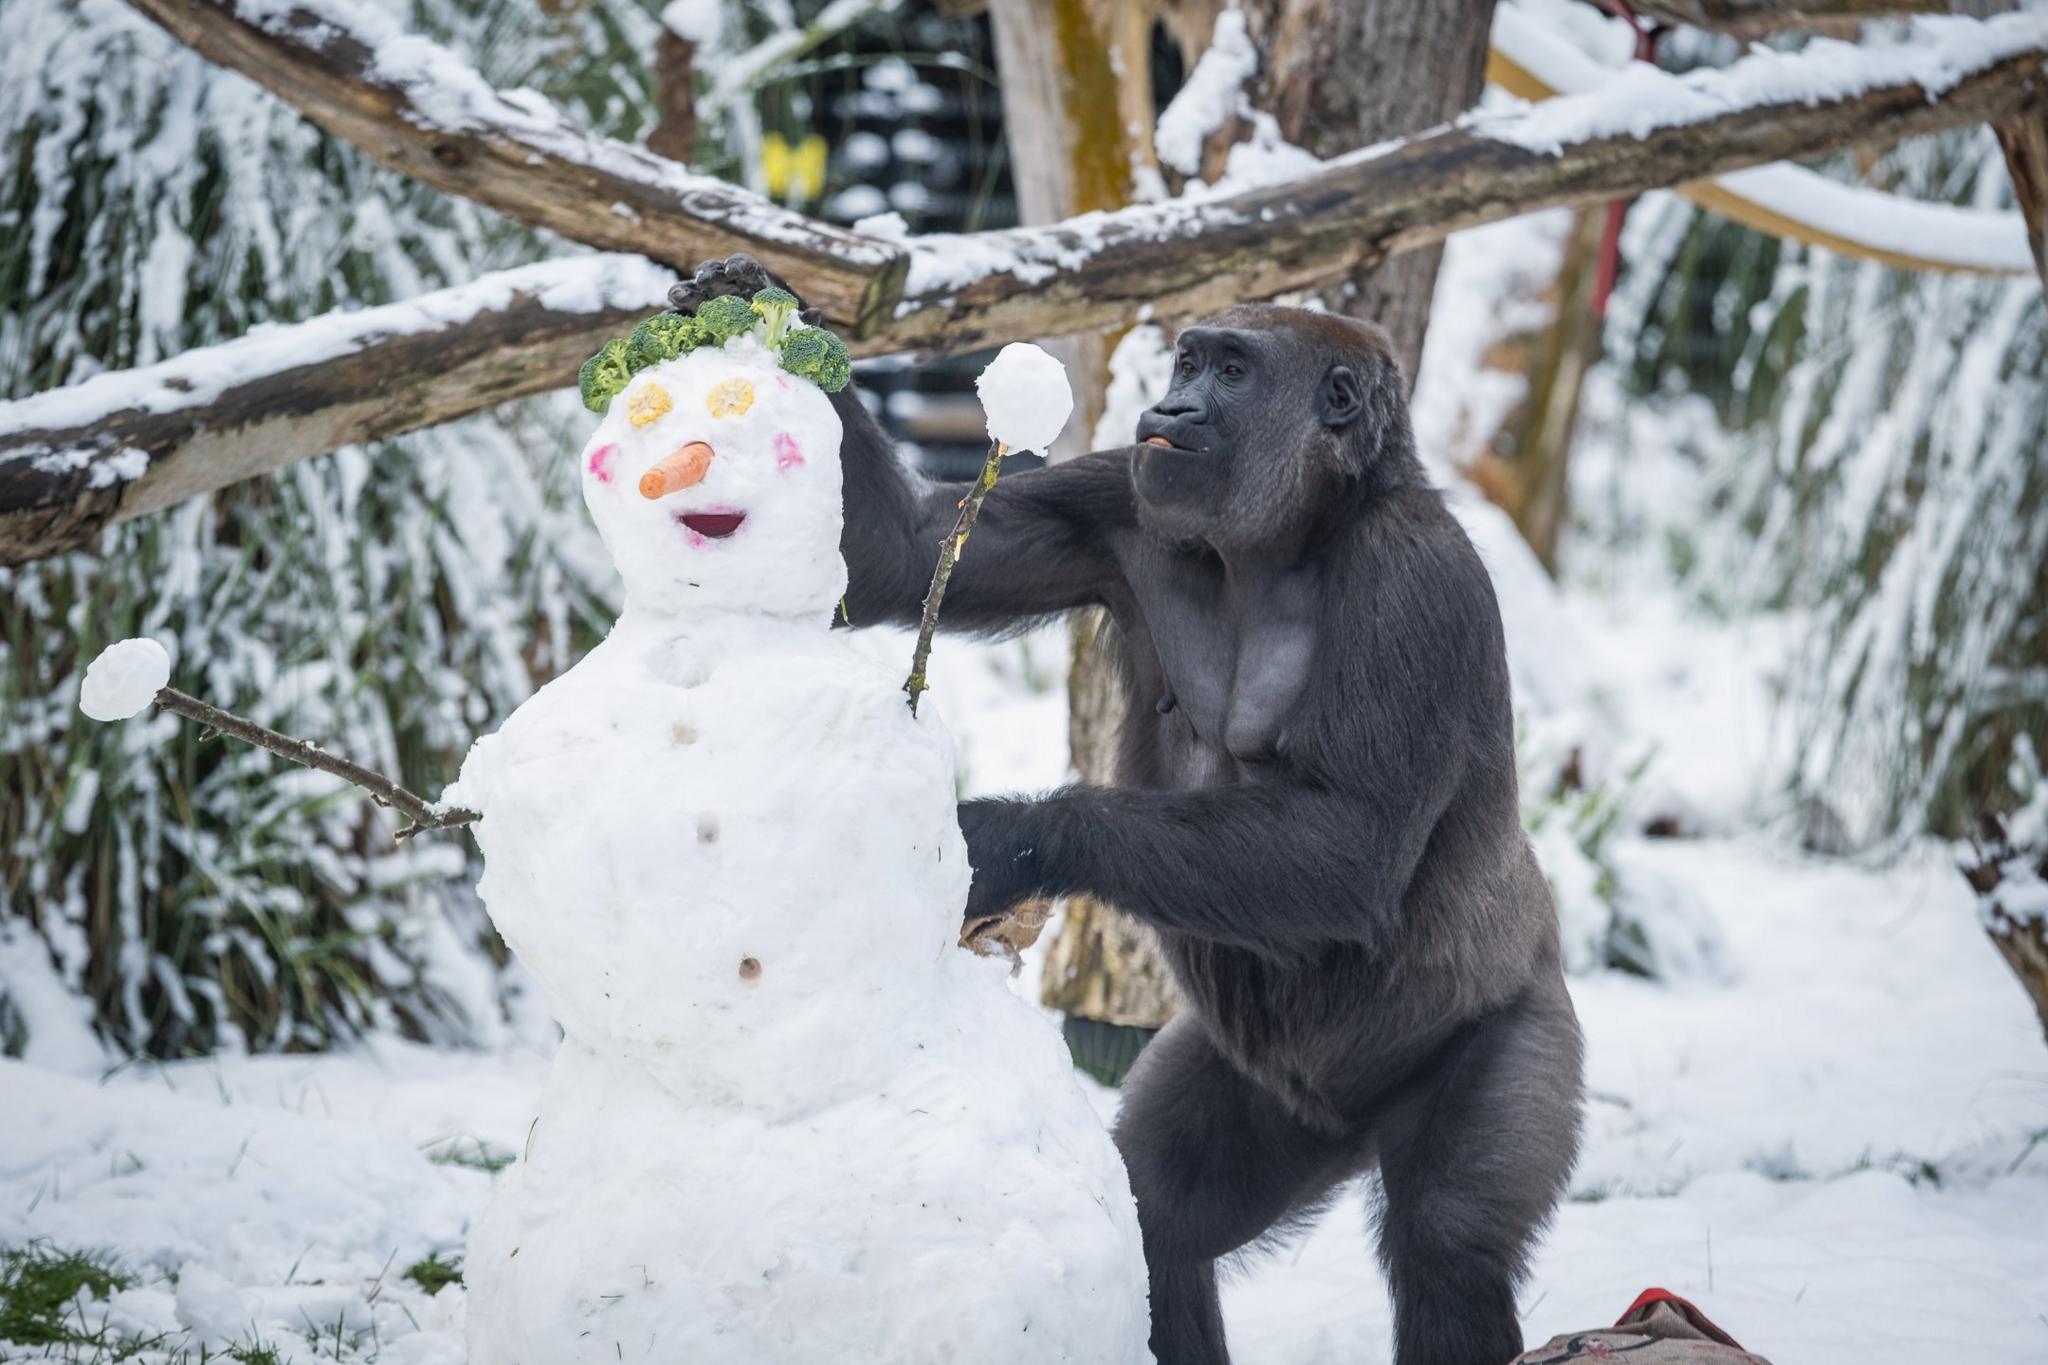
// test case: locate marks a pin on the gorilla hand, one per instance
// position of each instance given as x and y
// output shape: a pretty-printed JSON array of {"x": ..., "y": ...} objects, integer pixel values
[
  {"x": 738, "y": 274},
  {"x": 999, "y": 851}
]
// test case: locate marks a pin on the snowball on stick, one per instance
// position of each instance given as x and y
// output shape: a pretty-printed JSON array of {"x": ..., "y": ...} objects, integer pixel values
[
  {"x": 124, "y": 679},
  {"x": 128, "y": 675},
  {"x": 1024, "y": 392}
]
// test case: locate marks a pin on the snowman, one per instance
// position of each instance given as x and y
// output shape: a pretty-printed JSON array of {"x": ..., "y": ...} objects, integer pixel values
[{"x": 790, "y": 1121}]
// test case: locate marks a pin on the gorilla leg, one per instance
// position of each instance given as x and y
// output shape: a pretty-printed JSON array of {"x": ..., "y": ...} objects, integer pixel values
[
  {"x": 1472, "y": 1165},
  {"x": 1214, "y": 1162}
]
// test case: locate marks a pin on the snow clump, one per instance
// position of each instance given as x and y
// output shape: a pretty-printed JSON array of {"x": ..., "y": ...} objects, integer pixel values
[
  {"x": 124, "y": 679},
  {"x": 1024, "y": 390}
]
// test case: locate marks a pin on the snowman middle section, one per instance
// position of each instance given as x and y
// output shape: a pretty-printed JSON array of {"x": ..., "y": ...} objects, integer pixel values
[{"x": 730, "y": 856}]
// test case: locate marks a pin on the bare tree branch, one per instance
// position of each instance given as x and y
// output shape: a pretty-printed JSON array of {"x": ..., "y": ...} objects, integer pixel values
[
  {"x": 73, "y": 460},
  {"x": 950, "y": 550},
  {"x": 1755, "y": 18},
  {"x": 421, "y": 110},
  {"x": 422, "y": 813}
]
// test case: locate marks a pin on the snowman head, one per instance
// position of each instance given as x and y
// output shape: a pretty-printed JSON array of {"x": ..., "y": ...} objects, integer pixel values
[{"x": 714, "y": 481}]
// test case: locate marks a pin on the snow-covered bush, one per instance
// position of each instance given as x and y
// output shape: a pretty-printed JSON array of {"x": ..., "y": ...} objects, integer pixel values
[
  {"x": 391, "y": 600},
  {"x": 1881, "y": 471},
  {"x": 1615, "y": 908}
]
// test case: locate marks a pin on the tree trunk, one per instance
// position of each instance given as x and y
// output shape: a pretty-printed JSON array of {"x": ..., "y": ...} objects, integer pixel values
[
  {"x": 1079, "y": 132},
  {"x": 1523, "y": 467},
  {"x": 2025, "y": 142},
  {"x": 674, "y": 134},
  {"x": 1339, "y": 74},
  {"x": 2012, "y": 885}
]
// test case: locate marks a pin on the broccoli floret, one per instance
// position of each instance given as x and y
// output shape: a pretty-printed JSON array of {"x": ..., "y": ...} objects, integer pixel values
[
  {"x": 604, "y": 375},
  {"x": 722, "y": 319},
  {"x": 815, "y": 354},
  {"x": 662, "y": 337},
  {"x": 777, "y": 308}
]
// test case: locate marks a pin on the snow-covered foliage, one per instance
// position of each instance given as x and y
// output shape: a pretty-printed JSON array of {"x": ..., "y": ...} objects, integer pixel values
[
  {"x": 389, "y": 601},
  {"x": 1878, "y": 466}
]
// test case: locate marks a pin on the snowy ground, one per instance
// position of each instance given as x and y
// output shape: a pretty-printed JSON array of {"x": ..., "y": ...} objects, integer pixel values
[{"x": 1841, "y": 1150}]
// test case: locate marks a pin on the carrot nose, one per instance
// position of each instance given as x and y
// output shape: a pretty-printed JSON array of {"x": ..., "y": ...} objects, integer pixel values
[{"x": 677, "y": 470}]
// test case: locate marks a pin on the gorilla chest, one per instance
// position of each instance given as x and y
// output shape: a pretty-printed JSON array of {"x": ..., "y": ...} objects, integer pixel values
[{"x": 1234, "y": 657}]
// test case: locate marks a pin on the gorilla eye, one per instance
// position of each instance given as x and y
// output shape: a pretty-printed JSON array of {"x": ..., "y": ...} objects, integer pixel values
[
  {"x": 1187, "y": 367},
  {"x": 1232, "y": 370}
]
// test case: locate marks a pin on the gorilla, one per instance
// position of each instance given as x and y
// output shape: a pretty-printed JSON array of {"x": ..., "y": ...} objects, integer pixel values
[{"x": 1315, "y": 807}]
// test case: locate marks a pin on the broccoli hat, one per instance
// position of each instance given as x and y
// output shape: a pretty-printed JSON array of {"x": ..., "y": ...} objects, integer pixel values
[{"x": 808, "y": 352}]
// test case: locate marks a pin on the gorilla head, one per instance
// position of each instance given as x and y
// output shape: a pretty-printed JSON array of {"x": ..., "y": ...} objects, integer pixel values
[{"x": 1274, "y": 415}]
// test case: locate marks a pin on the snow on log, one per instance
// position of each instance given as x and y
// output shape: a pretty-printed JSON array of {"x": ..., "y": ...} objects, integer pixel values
[
  {"x": 126, "y": 442},
  {"x": 422, "y": 110}
]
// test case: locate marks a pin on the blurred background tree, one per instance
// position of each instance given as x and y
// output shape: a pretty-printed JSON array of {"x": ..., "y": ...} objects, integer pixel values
[{"x": 1878, "y": 464}]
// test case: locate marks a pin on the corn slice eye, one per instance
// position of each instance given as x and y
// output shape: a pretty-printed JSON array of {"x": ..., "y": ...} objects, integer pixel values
[
  {"x": 649, "y": 403},
  {"x": 730, "y": 398}
]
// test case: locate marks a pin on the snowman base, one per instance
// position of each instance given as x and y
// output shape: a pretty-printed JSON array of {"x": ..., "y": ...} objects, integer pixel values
[{"x": 639, "y": 1227}]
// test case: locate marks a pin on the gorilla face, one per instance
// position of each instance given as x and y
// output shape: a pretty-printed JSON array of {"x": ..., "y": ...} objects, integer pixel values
[{"x": 1255, "y": 435}]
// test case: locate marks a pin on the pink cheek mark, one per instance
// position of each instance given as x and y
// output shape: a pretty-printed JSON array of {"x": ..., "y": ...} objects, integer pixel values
[
  {"x": 601, "y": 463},
  {"x": 787, "y": 453},
  {"x": 696, "y": 540},
  {"x": 782, "y": 382}
]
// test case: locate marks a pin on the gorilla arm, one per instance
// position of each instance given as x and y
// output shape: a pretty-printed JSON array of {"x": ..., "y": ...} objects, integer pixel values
[
  {"x": 1041, "y": 545},
  {"x": 1319, "y": 846}
]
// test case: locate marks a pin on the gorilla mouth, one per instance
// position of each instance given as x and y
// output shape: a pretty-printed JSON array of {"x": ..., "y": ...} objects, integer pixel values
[
  {"x": 1161, "y": 442},
  {"x": 712, "y": 525}
]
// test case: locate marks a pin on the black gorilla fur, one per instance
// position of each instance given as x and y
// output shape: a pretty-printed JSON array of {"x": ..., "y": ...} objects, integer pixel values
[{"x": 1315, "y": 807}]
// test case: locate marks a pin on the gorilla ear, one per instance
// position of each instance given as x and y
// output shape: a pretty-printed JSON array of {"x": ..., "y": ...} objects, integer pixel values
[{"x": 1340, "y": 398}]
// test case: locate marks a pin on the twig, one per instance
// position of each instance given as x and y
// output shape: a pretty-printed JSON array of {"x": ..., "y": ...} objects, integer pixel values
[
  {"x": 423, "y": 814},
  {"x": 949, "y": 555}
]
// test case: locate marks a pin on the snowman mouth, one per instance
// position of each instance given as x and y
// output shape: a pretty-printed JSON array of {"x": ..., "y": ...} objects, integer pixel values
[{"x": 712, "y": 525}]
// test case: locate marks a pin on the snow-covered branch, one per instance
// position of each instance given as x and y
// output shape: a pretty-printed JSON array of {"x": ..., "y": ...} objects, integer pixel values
[
  {"x": 1533, "y": 58},
  {"x": 422, "y": 110},
  {"x": 122, "y": 444},
  {"x": 1646, "y": 130},
  {"x": 76, "y": 459}
]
